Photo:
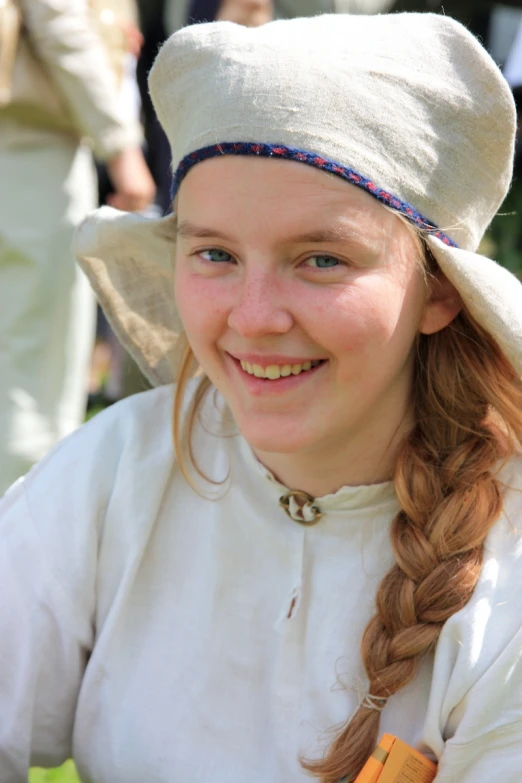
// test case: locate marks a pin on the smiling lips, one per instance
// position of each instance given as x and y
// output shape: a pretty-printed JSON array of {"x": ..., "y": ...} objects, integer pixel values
[{"x": 275, "y": 371}]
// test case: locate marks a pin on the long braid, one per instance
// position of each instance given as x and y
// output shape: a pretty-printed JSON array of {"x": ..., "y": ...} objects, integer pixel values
[{"x": 467, "y": 404}]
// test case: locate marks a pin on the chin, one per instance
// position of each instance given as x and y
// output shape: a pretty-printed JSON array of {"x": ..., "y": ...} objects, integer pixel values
[{"x": 274, "y": 439}]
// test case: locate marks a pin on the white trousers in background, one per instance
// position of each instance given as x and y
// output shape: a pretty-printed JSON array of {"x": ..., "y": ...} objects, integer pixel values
[{"x": 47, "y": 310}]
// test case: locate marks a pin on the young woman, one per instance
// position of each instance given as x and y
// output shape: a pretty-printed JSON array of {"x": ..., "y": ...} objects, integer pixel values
[{"x": 344, "y": 463}]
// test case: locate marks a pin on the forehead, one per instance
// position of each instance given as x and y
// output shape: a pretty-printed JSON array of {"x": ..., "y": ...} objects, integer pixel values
[{"x": 281, "y": 194}]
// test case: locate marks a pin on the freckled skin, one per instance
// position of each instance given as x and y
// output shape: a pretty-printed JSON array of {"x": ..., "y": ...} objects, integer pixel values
[{"x": 362, "y": 315}]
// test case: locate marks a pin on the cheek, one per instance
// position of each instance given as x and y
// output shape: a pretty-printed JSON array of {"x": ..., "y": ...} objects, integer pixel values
[
  {"x": 360, "y": 319},
  {"x": 203, "y": 314},
  {"x": 371, "y": 325}
]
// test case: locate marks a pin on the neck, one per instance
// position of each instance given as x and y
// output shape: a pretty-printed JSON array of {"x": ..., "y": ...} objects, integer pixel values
[{"x": 368, "y": 457}]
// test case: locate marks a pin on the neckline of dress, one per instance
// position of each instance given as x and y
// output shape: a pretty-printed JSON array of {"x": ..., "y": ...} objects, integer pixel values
[{"x": 347, "y": 498}]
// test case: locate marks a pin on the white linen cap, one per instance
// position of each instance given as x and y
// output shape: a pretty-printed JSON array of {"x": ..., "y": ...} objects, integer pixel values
[{"x": 409, "y": 107}]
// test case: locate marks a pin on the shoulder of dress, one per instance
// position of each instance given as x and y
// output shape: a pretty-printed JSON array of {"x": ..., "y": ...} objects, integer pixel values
[
  {"x": 510, "y": 474},
  {"x": 127, "y": 435},
  {"x": 510, "y": 522}
]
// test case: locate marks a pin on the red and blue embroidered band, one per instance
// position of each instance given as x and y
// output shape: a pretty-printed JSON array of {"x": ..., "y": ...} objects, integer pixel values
[{"x": 311, "y": 159}]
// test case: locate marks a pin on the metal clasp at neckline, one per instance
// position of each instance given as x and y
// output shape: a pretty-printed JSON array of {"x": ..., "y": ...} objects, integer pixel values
[{"x": 300, "y": 507}]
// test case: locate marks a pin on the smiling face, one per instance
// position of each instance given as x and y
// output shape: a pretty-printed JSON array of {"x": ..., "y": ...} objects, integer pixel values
[{"x": 301, "y": 297}]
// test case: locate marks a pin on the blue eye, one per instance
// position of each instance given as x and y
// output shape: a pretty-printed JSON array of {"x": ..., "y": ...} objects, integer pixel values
[
  {"x": 322, "y": 262},
  {"x": 216, "y": 256}
]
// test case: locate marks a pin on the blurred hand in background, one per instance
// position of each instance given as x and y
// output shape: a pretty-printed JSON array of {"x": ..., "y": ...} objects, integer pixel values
[
  {"x": 134, "y": 187},
  {"x": 133, "y": 36}
]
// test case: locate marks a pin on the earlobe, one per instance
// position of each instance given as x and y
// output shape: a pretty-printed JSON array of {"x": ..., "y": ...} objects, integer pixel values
[{"x": 443, "y": 305}]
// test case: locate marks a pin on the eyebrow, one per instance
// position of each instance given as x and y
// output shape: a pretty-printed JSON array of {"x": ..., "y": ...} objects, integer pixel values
[{"x": 186, "y": 229}]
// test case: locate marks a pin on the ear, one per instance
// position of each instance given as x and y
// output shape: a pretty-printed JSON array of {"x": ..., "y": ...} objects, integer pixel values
[{"x": 443, "y": 305}]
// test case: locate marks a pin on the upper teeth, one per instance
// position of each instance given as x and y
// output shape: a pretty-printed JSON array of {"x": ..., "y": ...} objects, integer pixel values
[{"x": 274, "y": 371}]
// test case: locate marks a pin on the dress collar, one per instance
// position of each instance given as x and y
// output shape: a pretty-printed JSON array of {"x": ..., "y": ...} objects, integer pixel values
[{"x": 307, "y": 510}]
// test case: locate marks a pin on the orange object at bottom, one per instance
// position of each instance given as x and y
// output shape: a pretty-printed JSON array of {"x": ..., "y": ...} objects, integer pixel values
[{"x": 394, "y": 761}]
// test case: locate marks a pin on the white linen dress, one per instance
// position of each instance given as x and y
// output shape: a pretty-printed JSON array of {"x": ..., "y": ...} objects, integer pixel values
[{"x": 160, "y": 636}]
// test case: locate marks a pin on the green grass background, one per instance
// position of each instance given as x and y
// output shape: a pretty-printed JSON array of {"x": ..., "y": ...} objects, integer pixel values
[{"x": 64, "y": 774}]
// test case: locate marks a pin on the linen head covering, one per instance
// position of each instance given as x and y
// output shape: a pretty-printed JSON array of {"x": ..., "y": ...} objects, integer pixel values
[{"x": 409, "y": 107}]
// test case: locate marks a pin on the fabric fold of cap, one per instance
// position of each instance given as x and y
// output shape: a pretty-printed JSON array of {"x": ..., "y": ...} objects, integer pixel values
[{"x": 409, "y": 107}]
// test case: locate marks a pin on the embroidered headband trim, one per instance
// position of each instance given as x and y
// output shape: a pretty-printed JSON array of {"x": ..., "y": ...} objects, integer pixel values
[{"x": 288, "y": 153}]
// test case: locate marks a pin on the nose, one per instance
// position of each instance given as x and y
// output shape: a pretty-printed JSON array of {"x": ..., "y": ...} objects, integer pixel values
[{"x": 259, "y": 309}]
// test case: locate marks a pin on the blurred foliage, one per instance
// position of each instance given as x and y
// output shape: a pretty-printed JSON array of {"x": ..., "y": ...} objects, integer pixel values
[
  {"x": 64, "y": 774},
  {"x": 503, "y": 240}
]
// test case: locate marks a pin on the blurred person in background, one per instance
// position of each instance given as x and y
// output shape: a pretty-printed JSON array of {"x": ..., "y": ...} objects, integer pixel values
[{"x": 62, "y": 89}]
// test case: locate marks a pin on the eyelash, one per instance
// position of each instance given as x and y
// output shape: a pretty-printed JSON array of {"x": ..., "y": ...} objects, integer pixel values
[{"x": 339, "y": 261}]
